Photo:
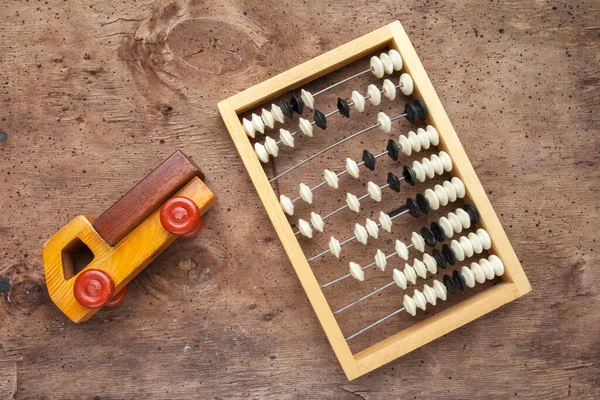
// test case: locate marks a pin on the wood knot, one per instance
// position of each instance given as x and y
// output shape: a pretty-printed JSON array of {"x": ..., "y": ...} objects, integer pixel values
[{"x": 26, "y": 295}]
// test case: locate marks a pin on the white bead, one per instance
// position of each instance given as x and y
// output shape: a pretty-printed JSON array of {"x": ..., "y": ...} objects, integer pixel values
[
  {"x": 380, "y": 260},
  {"x": 317, "y": 221},
  {"x": 419, "y": 299},
  {"x": 476, "y": 242},
  {"x": 286, "y": 204},
  {"x": 409, "y": 305},
  {"x": 423, "y": 138},
  {"x": 352, "y": 168},
  {"x": 401, "y": 250},
  {"x": 388, "y": 65},
  {"x": 372, "y": 228},
  {"x": 440, "y": 290},
  {"x": 405, "y": 145},
  {"x": 277, "y": 113},
  {"x": 261, "y": 152},
  {"x": 434, "y": 202},
  {"x": 286, "y": 137},
  {"x": 267, "y": 118},
  {"x": 461, "y": 191},
  {"x": 466, "y": 245},
  {"x": 396, "y": 59},
  {"x": 446, "y": 160},
  {"x": 389, "y": 89},
  {"x": 307, "y": 98},
  {"x": 429, "y": 294},
  {"x": 434, "y": 137},
  {"x": 450, "y": 191},
  {"x": 418, "y": 241},
  {"x": 305, "y": 228},
  {"x": 438, "y": 166},
  {"x": 497, "y": 264},
  {"x": 352, "y": 202},
  {"x": 486, "y": 240},
  {"x": 420, "y": 269},
  {"x": 455, "y": 221},
  {"x": 430, "y": 263},
  {"x": 478, "y": 272},
  {"x": 377, "y": 67},
  {"x": 399, "y": 278},
  {"x": 374, "y": 191},
  {"x": 249, "y": 128},
  {"x": 385, "y": 221},
  {"x": 414, "y": 141},
  {"x": 271, "y": 146},
  {"x": 428, "y": 167},
  {"x": 464, "y": 218},
  {"x": 258, "y": 123},
  {"x": 305, "y": 193},
  {"x": 447, "y": 227},
  {"x": 331, "y": 178},
  {"x": 419, "y": 171},
  {"x": 374, "y": 94},
  {"x": 335, "y": 247},
  {"x": 356, "y": 272},
  {"x": 458, "y": 250},
  {"x": 469, "y": 276},
  {"x": 361, "y": 233},
  {"x": 441, "y": 194},
  {"x": 358, "y": 100},
  {"x": 487, "y": 269},
  {"x": 410, "y": 274},
  {"x": 407, "y": 86},
  {"x": 305, "y": 127},
  {"x": 385, "y": 122}
]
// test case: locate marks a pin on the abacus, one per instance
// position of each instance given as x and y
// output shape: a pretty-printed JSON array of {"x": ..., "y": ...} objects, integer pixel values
[{"x": 496, "y": 261}]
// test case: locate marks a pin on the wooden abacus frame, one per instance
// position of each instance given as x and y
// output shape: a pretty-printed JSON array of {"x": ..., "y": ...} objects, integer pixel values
[{"x": 514, "y": 282}]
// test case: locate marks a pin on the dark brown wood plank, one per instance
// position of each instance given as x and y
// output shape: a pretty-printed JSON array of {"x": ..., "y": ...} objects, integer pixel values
[{"x": 145, "y": 197}]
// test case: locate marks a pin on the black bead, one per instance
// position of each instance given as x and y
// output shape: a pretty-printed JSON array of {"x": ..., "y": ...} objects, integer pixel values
[
  {"x": 449, "y": 283},
  {"x": 369, "y": 160},
  {"x": 392, "y": 149},
  {"x": 411, "y": 112},
  {"x": 449, "y": 254},
  {"x": 320, "y": 120},
  {"x": 421, "y": 110},
  {"x": 409, "y": 175},
  {"x": 473, "y": 213},
  {"x": 413, "y": 208},
  {"x": 459, "y": 280},
  {"x": 440, "y": 260},
  {"x": 423, "y": 203},
  {"x": 438, "y": 231},
  {"x": 287, "y": 109},
  {"x": 394, "y": 182},
  {"x": 297, "y": 103},
  {"x": 428, "y": 236},
  {"x": 343, "y": 107}
]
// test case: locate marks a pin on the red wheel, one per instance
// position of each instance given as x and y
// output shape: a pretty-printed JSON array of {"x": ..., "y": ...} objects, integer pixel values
[
  {"x": 93, "y": 288},
  {"x": 179, "y": 215},
  {"x": 196, "y": 230},
  {"x": 117, "y": 298}
]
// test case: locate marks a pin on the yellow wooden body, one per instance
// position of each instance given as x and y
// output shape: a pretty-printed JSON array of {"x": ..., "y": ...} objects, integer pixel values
[{"x": 122, "y": 262}]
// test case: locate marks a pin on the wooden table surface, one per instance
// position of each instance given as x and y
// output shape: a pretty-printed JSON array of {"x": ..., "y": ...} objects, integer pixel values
[{"x": 94, "y": 94}]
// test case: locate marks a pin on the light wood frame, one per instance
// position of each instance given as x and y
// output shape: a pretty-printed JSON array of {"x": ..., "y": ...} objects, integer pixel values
[{"x": 514, "y": 282}]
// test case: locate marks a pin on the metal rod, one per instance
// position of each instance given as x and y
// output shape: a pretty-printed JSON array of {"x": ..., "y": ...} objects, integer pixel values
[
  {"x": 374, "y": 324},
  {"x": 342, "y": 81},
  {"x": 363, "y": 298}
]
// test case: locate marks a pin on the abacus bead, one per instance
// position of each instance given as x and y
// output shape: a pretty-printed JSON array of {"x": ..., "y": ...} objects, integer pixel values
[
  {"x": 446, "y": 161},
  {"x": 438, "y": 231},
  {"x": 352, "y": 168},
  {"x": 307, "y": 98},
  {"x": 400, "y": 278},
  {"x": 476, "y": 242},
  {"x": 286, "y": 204},
  {"x": 380, "y": 260},
  {"x": 352, "y": 202},
  {"x": 374, "y": 94},
  {"x": 317, "y": 221},
  {"x": 420, "y": 269},
  {"x": 434, "y": 201},
  {"x": 392, "y": 149},
  {"x": 261, "y": 152},
  {"x": 419, "y": 171},
  {"x": 394, "y": 182},
  {"x": 287, "y": 109},
  {"x": 419, "y": 299},
  {"x": 361, "y": 233},
  {"x": 429, "y": 294},
  {"x": 421, "y": 110},
  {"x": 418, "y": 241},
  {"x": 385, "y": 221},
  {"x": 458, "y": 250},
  {"x": 377, "y": 67},
  {"x": 267, "y": 118},
  {"x": 486, "y": 240},
  {"x": 343, "y": 106},
  {"x": 413, "y": 208},
  {"x": 464, "y": 218},
  {"x": 434, "y": 136},
  {"x": 396, "y": 59},
  {"x": 409, "y": 305},
  {"x": 271, "y": 146},
  {"x": 409, "y": 175},
  {"x": 304, "y": 228},
  {"x": 374, "y": 191},
  {"x": 473, "y": 213},
  {"x": 447, "y": 227},
  {"x": 388, "y": 65},
  {"x": 401, "y": 249},
  {"x": 428, "y": 167},
  {"x": 440, "y": 290},
  {"x": 439, "y": 258},
  {"x": 335, "y": 247},
  {"x": 389, "y": 89},
  {"x": 405, "y": 145},
  {"x": 438, "y": 167},
  {"x": 320, "y": 119},
  {"x": 305, "y": 127},
  {"x": 410, "y": 273},
  {"x": 461, "y": 191},
  {"x": 414, "y": 141},
  {"x": 469, "y": 276},
  {"x": 430, "y": 263},
  {"x": 449, "y": 283},
  {"x": 459, "y": 281},
  {"x": 487, "y": 268},
  {"x": 356, "y": 271},
  {"x": 428, "y": 236},
  {"x": 369, "y": 160},
  {"x": 331, "y": 178},
  {"x": 450, "y": 192},
  {"x": 449, "y": 254},
  {"x": 385, "y": 122},
  {"x": 455, "y": 221},
  {"x": 423, "y": 138},
  {"x": 249, "y": 128},
  {"x": 372, "y": 228},
  {"x": 297, "y": 103},
  {"x": 286, "y": 137},
  {"x": 305, "y": 193},
  {"x": 258, "y": 123},
  {"x": 497, "y": 265},
  {"x": 478, "y": 272},
  {"x": 277, "y": 113},
  {"x": 411, "y": 112},
  {"x": 441, "y": 194},
  {"x": 406, "y": 84}
]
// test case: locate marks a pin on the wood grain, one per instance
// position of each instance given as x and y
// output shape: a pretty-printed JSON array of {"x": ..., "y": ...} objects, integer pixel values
[{"x": 113, "y": 89}]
